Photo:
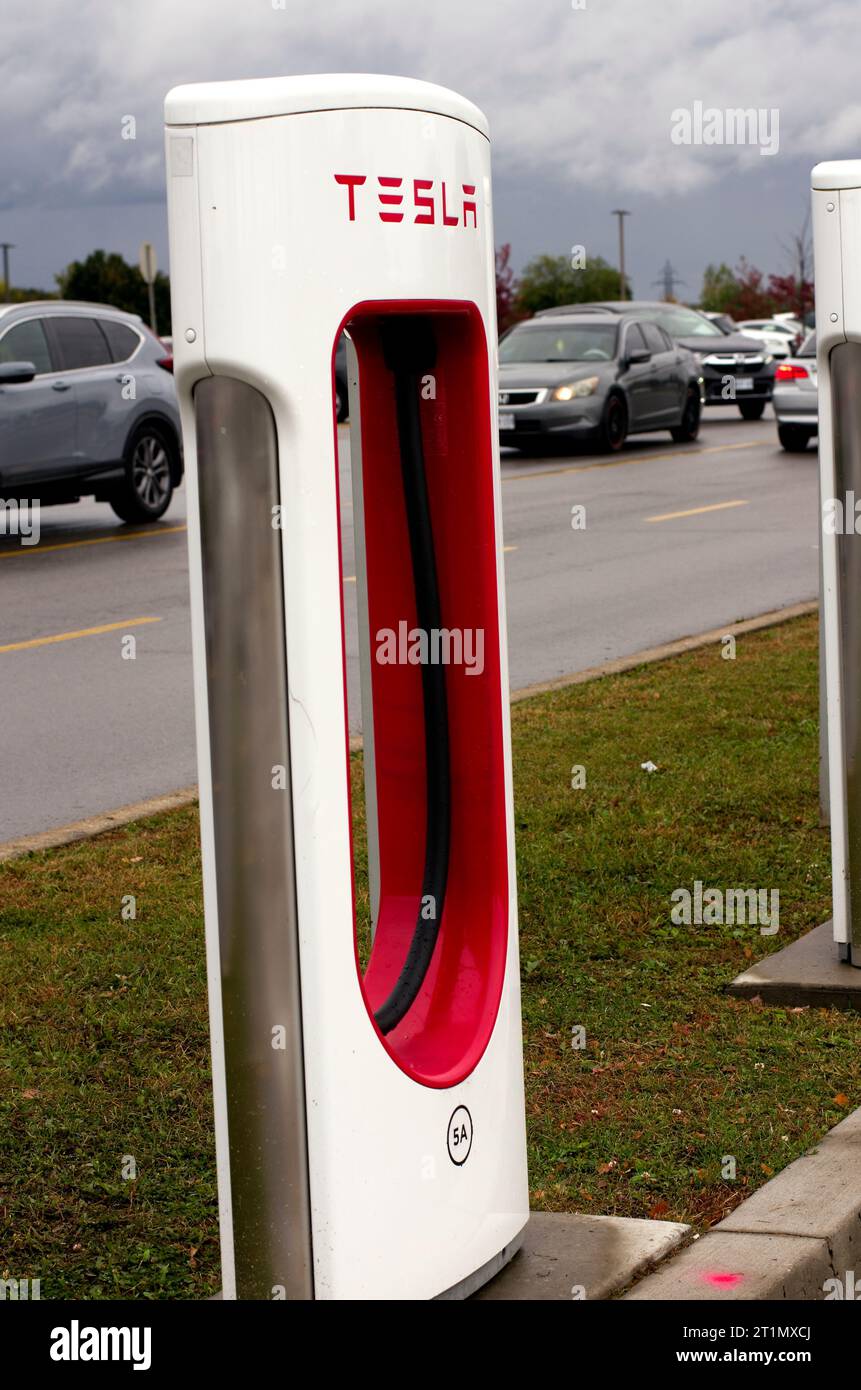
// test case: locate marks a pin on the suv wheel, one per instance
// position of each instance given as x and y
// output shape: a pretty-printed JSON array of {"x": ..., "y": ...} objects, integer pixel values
[
  {"x": 751, "y": 410},
  {"x": 686, "y": 431},
  {"x": 146, "y": 491},
  {"x": 613, "y": 430},
  {"x": 794, "y": 438}
]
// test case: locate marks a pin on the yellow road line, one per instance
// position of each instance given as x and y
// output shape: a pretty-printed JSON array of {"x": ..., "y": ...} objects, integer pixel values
[
  {"x": 628, "y": 462},
  {"x": 698, "y": 511},
  {"x": 92, "y": 540},
  {"x": 82, "y": 632}
]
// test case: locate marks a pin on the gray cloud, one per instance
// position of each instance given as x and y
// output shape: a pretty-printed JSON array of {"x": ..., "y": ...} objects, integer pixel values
[{"x": 580, "y": 104}]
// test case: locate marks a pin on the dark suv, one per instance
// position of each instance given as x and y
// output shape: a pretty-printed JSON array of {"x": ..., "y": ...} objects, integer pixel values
[
  {"x": 736, "y": 370},
  {"x": 87, "y": 408}
]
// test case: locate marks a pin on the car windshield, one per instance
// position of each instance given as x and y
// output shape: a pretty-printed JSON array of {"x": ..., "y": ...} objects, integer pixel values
[
  {"x": 680, "y": 322},
  {"x": 808, "y": 347},
  {"x": 582, "y": 342}
]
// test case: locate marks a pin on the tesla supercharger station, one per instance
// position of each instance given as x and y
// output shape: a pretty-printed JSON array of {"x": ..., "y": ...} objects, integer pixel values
[
  {"x": 837, "y": 245},
  {"x": 368, "y": 1097}
]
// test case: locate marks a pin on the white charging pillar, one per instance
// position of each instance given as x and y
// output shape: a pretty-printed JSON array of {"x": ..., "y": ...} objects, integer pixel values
[
  {"x": 364, "y": 1151},
  {"x": 837, "y": 245}
]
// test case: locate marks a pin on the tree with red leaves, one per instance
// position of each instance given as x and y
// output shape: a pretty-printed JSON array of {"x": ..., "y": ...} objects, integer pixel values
[{"x": 506, "y": 289}]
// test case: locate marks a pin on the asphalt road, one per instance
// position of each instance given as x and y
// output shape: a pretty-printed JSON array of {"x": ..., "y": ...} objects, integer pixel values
[{"x": 677, "y": 540}]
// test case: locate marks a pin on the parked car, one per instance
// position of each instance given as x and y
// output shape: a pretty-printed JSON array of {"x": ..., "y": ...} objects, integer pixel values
[
  {"x": 596, "y": 377},
  {"x": 736, "y": 370},
  {"x": 87, "y": 408},
  {"x": 794, "y": 323},
  {"x": 796, "y": 398},
  {"x": 723, "y": 321},
  {"x": 777, "y": 337}
]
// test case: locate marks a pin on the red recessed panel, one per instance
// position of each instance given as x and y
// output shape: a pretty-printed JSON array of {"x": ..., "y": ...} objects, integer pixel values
[{"x": 444, "y": 1034}]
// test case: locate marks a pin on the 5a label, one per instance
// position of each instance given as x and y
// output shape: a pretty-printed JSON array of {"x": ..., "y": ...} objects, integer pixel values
[{"x": 460, "y": 1136}]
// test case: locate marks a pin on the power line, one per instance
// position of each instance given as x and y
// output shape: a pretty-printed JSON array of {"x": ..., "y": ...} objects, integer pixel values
[{"x": 668, "y": 280}]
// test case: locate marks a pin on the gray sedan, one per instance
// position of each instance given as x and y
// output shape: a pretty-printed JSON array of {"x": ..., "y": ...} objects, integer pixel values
[
  {"x": 796, "y": 398},
  {"x": 596, "y": 376}
]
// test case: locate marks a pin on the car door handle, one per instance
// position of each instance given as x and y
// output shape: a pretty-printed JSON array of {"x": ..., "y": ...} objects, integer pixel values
[{"x": 59, "y": 386}]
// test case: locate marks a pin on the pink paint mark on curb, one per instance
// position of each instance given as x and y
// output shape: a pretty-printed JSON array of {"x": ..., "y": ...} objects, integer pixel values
[{"x": 721, "y": 1278}]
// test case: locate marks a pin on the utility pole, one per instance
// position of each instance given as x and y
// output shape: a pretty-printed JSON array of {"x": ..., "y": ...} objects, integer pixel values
[
  {"x": 7, "y": 246},
  {"x": 622, "y": 213},
  {"x": 148, "y": 269}
]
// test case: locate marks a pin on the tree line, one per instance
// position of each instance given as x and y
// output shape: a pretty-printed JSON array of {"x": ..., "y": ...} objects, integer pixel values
[{"x": 743, "y": 293}]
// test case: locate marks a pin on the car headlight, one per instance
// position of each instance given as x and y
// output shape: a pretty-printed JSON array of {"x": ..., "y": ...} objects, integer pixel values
[
  {"x": 768, "y": 360},
  {"x": 572, "y": 389}
]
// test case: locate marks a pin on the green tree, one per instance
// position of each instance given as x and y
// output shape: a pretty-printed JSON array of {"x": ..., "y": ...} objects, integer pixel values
[
  {"x": 551, "y": 280},
  {"x": 20, "y": 295},
  {"x": 105, "y": 278},
  {"x": 720, "y": 289}
]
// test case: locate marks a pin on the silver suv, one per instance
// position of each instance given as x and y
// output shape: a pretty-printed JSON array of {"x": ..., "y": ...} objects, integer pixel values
[{"x": 87, "y": 408}]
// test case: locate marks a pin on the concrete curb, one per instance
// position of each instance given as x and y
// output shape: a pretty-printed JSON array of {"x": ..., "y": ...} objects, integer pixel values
[
  {"x": 568, "y": 1256},
  {"x": 96, "y": 825},
  {"x": 669, "y": 649},
  {"x": 798, "y": 1231},
  {"x": 111, "y": 820}
]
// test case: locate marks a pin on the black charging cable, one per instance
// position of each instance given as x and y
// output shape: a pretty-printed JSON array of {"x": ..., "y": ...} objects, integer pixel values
[{"x": 409, "y": 351}]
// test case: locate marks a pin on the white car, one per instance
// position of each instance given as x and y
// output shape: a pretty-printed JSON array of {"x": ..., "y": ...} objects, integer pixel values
[
  {"x": 794, "y": 323},
  {"x": 779, "y": 339}
]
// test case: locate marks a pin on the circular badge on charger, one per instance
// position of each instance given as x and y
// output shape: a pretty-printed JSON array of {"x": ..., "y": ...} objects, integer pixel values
[{"x": 459, "y": 1137}]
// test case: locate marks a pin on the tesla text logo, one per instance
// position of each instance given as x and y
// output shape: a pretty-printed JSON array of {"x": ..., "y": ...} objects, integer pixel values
[{"x": 421, "y": 201}]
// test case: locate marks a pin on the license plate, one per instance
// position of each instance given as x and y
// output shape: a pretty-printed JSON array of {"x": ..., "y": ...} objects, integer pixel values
[
  {"x": 506, "y": 421},
  {"x": 744, "y": 383}
]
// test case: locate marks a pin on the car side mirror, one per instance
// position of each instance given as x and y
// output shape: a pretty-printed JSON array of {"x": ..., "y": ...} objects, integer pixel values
[
  {"x": 638, "y": 357},
  {"x": 16, "y": 373}
]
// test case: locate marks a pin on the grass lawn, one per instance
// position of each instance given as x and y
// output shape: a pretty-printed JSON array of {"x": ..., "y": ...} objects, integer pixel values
[{"x": 103, "y": 1029}]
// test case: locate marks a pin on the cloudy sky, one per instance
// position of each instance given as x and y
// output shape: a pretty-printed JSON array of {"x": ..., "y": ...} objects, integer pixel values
[{"x": 580, "y": 96}]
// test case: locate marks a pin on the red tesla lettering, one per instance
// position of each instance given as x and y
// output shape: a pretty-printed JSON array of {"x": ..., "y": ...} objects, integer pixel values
[
  {"x": 446, "y": 220},
  {"x": 469, "y": 203},
  {"x": 351, "y": 181},
  {"x": 423, "y": 202},
  {"x": 391, "y": 200}
]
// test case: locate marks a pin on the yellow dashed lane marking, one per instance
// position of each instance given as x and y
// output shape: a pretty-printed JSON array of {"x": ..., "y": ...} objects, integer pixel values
[
  {"x": 698, "y": 511},
  {"x": 631, "y": 462},
  {"x": 92, "y": 540},
  {"x": 81, "y": 632}
]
